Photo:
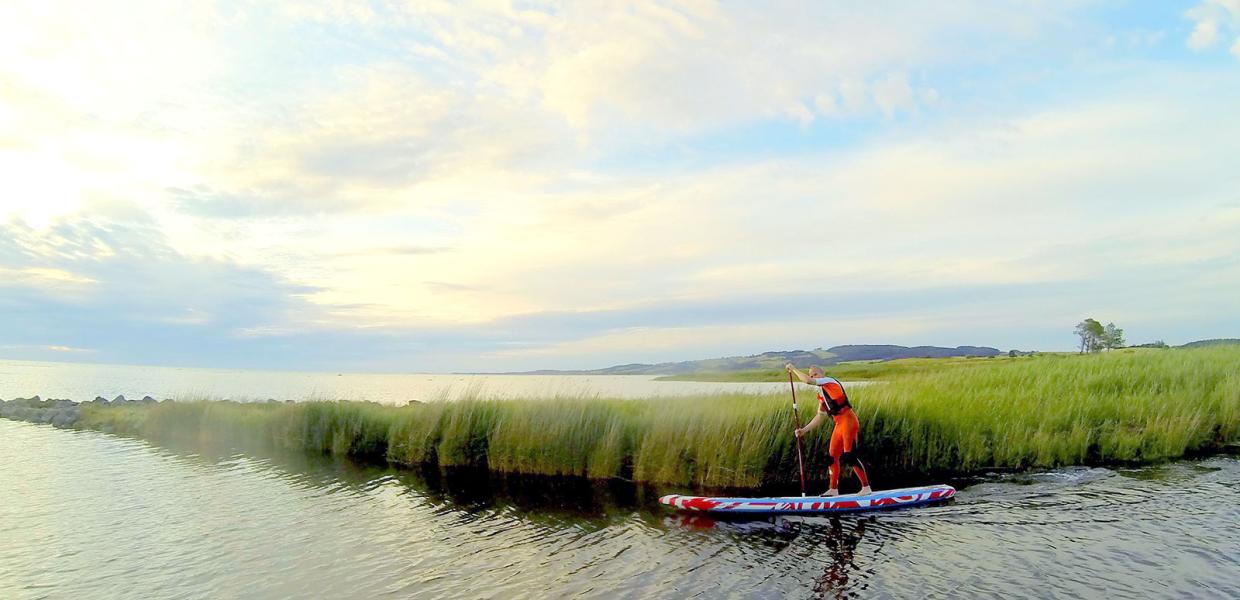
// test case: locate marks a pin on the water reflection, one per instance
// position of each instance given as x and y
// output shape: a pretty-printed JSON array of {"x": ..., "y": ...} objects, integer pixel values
[
  {"x": 833, "y": 540},
  {"x": 841, "y": 544},
  {"x": 570, "y": 503},
  {"x": 84, "y": 514},
  {"x": 545, "y": 500}
]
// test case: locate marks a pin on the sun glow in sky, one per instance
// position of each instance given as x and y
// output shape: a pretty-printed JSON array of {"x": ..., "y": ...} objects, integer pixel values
[{"x": 423, "y": 186}]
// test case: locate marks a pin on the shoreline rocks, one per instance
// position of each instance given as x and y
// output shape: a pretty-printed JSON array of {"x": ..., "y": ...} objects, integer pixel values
[{"x": 58, "y": 412}]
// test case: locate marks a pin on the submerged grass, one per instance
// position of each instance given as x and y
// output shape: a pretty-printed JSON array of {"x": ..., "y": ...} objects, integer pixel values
[{"x": 1047, "y": 411}]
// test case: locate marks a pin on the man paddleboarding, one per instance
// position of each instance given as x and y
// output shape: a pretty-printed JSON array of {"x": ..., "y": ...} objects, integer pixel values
[{"x": 833, "y": 402}]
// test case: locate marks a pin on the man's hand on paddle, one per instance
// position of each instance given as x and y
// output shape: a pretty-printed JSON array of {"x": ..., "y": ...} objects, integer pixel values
[{"x": 792, "y": 370}]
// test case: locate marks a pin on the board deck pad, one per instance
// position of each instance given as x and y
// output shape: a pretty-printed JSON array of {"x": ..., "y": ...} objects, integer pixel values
[{"x": 884, "y": 499}]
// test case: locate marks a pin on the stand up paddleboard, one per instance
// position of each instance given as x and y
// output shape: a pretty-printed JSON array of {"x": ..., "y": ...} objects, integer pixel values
[{"x": 813, "y": 505}]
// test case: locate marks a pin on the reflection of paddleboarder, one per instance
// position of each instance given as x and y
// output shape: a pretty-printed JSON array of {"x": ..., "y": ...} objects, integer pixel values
[
  {"x": 833, "y": 401},
  {"x": 777, "y": 525},
  {"x": 842, "y": 546}
]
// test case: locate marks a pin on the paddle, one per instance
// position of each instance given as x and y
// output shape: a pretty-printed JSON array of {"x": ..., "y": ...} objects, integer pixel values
[{"x": 796, "y": 418}]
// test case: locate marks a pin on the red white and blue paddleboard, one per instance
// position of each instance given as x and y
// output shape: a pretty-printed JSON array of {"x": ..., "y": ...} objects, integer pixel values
[{"x": 812, "y": 505}]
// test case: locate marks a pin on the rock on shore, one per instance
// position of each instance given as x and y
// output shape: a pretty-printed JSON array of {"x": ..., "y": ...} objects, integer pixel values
[
  {"x": 59, "y": 412},
  {"x": 56, "y": 412}
]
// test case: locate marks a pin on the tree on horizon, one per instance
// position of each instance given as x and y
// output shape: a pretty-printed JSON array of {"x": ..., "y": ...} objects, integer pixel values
[
  {"x": 1112, "y": 337},
  {"x": 1091, "y": 333}
]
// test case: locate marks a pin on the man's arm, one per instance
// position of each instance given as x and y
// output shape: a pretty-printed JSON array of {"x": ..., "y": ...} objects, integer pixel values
[
  {"x": 802, "y": 376},
  {"x": 812, "y": 425}
]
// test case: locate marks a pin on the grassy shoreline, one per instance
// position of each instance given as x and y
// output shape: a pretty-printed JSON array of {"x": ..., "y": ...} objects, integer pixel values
[
  {"x": 1039, "y": 412},
  {"x": 863, "y": 370}
]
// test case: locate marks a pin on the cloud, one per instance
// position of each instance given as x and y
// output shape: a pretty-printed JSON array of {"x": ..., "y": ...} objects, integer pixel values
[
  {"x": 1204, "y": 35},
  {"x": 67, "y": 349},
  {"x": 443, "y": 286},
  {"x": 765, "y": 256},
  {"x": 705, "y": 65},
  {"x": 979, "y": 205},
  {"x": 407, "y": 250},
  {"x": 1214, "y": 19},
  {"x": 249, "y": 114},
  {"x": 116, "y": 287},
  {"x": 504, "y": 85},
  {"x": 45, "y": 277},
  {"x": 894, "y": 93},
  {"x": 414, "y": 184}
]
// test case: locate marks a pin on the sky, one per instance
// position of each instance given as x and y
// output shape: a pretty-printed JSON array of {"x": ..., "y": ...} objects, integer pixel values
[{"x": 479, "y": 186}]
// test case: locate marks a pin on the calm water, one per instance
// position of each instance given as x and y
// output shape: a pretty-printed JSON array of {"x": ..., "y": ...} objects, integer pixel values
[
  {"x": 85, "y": 381},
  {"x": 87, "y": 515}
]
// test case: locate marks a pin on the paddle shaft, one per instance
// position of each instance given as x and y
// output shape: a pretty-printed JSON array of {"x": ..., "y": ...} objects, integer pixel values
[{"x": 796, "y": 418}]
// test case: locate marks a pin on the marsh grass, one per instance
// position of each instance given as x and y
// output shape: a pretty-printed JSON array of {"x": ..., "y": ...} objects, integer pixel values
[
  {"x": 860, "y": 370},
  {"x": 1138, "y": 406},
  {"x": 1032, "y": 412}
]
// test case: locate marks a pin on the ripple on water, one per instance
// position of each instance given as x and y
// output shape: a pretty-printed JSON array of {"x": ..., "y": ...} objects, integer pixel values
[{"x": 89, "y": 515}]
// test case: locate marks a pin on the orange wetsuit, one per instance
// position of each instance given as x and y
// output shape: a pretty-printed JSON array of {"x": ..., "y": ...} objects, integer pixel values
[{"x": 833, "y": 400}]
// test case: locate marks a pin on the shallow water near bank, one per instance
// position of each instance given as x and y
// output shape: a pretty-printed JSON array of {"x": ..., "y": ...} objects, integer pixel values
[{"x": 89, "y": 515}]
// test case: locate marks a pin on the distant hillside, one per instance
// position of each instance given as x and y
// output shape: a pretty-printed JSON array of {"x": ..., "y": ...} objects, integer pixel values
[
  {"x": 776, "y": 359},
  {"x": 887, "y": 352},
  {"x": 766, "y": 360},
  {"x": 1214, "y": 342}
]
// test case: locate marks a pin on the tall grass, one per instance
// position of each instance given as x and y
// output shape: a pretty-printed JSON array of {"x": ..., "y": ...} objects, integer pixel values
[
  {"x": 1031, "y": 412},
  {"x": 1126, "y": 406}
]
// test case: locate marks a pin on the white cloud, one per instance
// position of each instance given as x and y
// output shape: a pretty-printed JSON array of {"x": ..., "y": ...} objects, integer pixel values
[
  {"x": 1204, "y": 35},
  {"x": 1213, "y": 20},
  {"x": 68, "y": 349},
  {"x": 673, "y": 68},
  {"x": 97, "y": 101},
  {"x": 893, "y": 94},
  {"x": 983, "y": 205},
  {"x": 508, "y": 98},
  {"x": 555, "y": 155},
  {"x": 55, "y": 282},
  {"x": 704, "y": 66}
]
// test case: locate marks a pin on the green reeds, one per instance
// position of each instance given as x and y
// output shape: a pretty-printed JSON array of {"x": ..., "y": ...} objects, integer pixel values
[
  {"x": 1123, "y": 406},
  {"x": 1033, "y": 412}
]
